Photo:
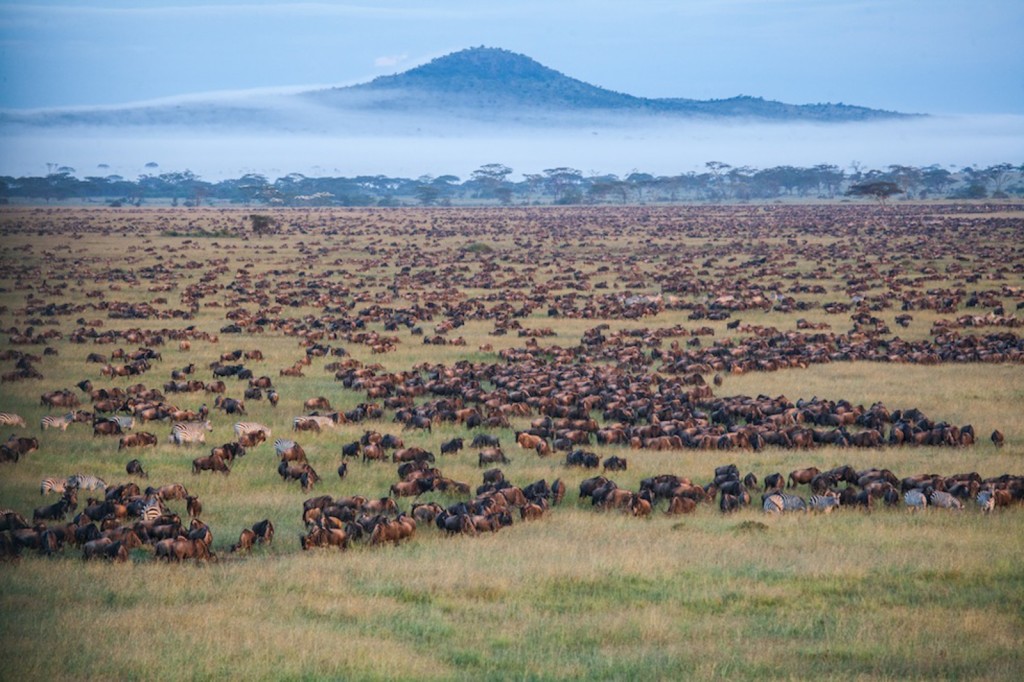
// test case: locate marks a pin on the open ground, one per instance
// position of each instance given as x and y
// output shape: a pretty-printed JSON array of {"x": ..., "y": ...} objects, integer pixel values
[{"x": 708, "y": 323}]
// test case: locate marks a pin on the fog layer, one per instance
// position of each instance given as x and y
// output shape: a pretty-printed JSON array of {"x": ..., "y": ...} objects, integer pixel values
[{"x": 410, "y": 147}]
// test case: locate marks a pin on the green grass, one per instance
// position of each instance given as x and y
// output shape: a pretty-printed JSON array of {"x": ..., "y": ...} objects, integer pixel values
[{"x": 579, "y": 594}]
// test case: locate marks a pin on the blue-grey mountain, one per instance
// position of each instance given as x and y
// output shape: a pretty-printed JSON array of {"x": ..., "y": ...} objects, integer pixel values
[{"x": 476, "y": 85}]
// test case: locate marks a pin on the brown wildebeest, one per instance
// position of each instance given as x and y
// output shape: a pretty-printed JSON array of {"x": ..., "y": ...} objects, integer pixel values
[
  {"x": 681, "y": 505},
  {"x": 491, "y": 456},
  {"x": 245, "y": 541},
  {"x": 318, "y": 403},
  {"x": 137, "y": 440},
  {"x": 997, "y": 438},
  {"x": 802, "y": 476},
  {"x": 210, "y": 463},
  {"x": 251, "y": 439},
  {"x": 106, "y": 427}
]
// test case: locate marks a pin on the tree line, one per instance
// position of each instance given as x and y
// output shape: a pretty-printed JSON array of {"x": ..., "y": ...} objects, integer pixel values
[{"x": 494, "y": 184}]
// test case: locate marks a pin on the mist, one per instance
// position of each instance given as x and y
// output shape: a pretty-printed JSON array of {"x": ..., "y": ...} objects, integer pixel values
[{"x": 279, "y": 138}]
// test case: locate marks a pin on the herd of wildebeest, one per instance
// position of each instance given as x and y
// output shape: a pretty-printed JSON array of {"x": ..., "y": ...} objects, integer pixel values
[{"x": 350, "y": 289}]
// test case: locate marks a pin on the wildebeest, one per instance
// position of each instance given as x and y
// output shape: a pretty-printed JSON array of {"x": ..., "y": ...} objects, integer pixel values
[
  {"x": 105, "y": 427},
  {"x": 483, "y": 440},
  {"x": 134, "y": 468},
  {"x": 251, "y": 439},
  {"x": 492, "y": 455},
  {"x": 137, "y": 440},
  {"x": 451, "y": 446},
  {"x": 614, "y": 463},
  {"x": 210, "y": 463},
  {"x": 801, "y": 476}
]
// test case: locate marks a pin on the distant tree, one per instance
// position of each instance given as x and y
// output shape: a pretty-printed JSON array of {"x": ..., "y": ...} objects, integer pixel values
[
  {"x": 998, "y": 176},
  {"x": 261, "y": 224},
  {"x": 640, "y": 182},
  {"x": 427, "y": 193},
  {"x": 564, "y": 184},
  {"x": 492, "y": 179},
  {"x": 880, "y": 190},
  {"x": 936, "y": 180}
]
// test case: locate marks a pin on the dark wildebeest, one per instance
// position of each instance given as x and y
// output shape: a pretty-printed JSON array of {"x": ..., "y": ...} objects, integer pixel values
[{"x": 134, "y": 468}]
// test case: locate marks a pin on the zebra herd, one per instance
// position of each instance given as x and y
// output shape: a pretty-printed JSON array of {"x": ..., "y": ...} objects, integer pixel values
[{"x": 74, "y": 481}]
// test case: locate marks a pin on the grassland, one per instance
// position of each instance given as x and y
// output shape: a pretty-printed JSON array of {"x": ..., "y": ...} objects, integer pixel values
[{"x": 884, "y": 594}]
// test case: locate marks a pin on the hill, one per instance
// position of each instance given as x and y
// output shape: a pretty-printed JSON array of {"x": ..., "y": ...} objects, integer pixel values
[{"x": 479, "y": 84}]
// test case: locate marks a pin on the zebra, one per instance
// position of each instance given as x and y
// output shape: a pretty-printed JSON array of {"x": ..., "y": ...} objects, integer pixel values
[
  {"x": 11, "y": 419},
  {"x": 153, "y": 509},
  {"x": 823, "y": 503},
  {"x": 986, "y": 501},
  {"x": 86, "y": 482},
  {"x": 940, "y": 498},
  {"x": 321, "y": 421},
  {"x": 250, "y": 427},
  {"x": 783, "y": 502},
  {"x": 53, "y": 485},
  {"x": 282, "y": 445},
  {"x": 915, "y": 499},
  {"x": 126, "y": 423},
  {"x": 52, "y": 421},
  {"x": 189, "y": 432}
]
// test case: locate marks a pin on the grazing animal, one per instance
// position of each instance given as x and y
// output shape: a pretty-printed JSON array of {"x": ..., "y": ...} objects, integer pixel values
[
  {"x": 778, "y": 502},
  {"x": 137, "y": 440},
  {"x": 194, "y": 506},
  {"x": 943, "y": 500},
  {"x": 210, "y": 463},
  {"x": 52, "y": 485},
  {"x": 823, "y": 503},
  {"x": 11, "y": 419},
  {"x": 802, "y": 476},
  {"x": 186, "y": 433},
  {"x": 997, "y": 438},
  {"x": 86, "y": 482},
  {"x": 251, "y": 427},
  {"x": 451, "y": 447},
  {"x": 915, "y": 499},
  {"x": 492, "y": 455},
  {"x": 51, "y": 421}
]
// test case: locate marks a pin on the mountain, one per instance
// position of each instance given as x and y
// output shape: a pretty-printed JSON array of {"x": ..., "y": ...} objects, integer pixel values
[
  {"x": 481, "y": 84},
  {"x": 482, "y": 78}
]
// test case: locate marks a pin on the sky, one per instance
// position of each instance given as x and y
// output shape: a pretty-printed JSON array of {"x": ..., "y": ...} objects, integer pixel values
[{"x": 920, "y": 56}]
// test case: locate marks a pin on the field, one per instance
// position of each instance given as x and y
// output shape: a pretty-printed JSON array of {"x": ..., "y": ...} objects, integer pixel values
[{"x": 696, "y": 310}]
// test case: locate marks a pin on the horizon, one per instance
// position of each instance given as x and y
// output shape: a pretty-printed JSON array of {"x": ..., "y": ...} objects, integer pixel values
[{"x": 116, "y": 52}]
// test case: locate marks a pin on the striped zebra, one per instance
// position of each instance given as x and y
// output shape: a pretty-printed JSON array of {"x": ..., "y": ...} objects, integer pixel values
[
  {"x": 943, "y": 500},
  {"x": 915, "y": 499},
  {"x": 322, "y": 422},
  {"x": 126, "y": 423},
  {"x": 11, "y": 419},
  {"x": 53, "y": 485},
  {"x": 189, "y": 432},
  {"x": 779, "y": 502},
  {"x": 282, "y": 445},
  {"x": 250, "y": 427},
  {"x": 153, "y": 509},
  {"x": 53, "y": 421},
  {"x": 822, "y": 503},
  {"x": 986, "y": 501},
  {"x": 86, "y": 482}
]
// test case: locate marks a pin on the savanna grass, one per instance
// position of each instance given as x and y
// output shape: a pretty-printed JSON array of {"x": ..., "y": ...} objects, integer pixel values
[{"x": 580, "y": 593}]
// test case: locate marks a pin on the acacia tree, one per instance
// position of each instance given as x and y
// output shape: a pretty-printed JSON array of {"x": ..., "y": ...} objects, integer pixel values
[
  {"x": 880, "y": 190},
  {"x": 492, "y": 179}
]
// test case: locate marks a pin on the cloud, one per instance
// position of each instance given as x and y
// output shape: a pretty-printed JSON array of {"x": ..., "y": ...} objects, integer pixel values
[{"x": 388, "y": 61}]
